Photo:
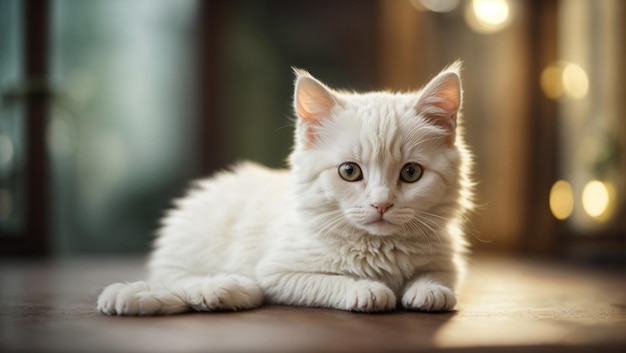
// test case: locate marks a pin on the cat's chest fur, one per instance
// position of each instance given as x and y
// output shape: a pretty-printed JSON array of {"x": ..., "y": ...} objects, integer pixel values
[{"x": 390, "y": 261}]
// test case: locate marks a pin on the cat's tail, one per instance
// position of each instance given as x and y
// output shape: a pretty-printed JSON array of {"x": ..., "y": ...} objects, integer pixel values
[{"x": 221, "y": 292}]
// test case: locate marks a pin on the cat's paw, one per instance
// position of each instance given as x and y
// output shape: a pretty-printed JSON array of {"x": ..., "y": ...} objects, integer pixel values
[
  {"x": 223, "y": 292},
  {"x": 369, "y": 296},
  {"x": 137, "y": 298},
  {"x": 429, "y": 296}
]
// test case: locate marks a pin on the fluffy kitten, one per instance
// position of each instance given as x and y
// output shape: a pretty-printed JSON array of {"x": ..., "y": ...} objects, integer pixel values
[{"x": 367, "y": 217}]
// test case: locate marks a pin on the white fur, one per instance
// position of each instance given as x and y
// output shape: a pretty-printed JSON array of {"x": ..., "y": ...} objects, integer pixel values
[{"x": 305, "y": 236}]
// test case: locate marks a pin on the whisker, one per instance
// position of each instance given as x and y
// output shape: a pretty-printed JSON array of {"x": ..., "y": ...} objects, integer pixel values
[
  {"x": 431, "y": 215},
  {"x": 419, "y": 230}
]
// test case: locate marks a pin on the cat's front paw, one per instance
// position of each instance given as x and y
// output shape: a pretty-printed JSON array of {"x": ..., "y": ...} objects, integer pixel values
[
  {"x": 224, "y": 292},
  {"x": 129, "y": 299},
  {"x": 428, "y": 296},
  {"x": 369, "y": 296}
]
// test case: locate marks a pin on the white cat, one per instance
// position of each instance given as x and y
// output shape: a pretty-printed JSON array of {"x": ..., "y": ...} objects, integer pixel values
[{"x": 368, "y": 216}]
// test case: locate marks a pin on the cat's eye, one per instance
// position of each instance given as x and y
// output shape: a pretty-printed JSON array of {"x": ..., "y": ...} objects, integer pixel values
[
  {"x": 350, "y": 172},
  {"x": 411, "y": 172}
]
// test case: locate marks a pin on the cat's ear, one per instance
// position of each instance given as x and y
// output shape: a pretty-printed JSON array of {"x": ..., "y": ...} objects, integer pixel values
[
  {"x": 313, "y": 102},
  {"x": 440, "y": 101}
]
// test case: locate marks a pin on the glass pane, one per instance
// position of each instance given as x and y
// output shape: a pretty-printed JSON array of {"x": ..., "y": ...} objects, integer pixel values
[
  {"x": 121, "y": 120},
  {"x": 12, "y": 151}
]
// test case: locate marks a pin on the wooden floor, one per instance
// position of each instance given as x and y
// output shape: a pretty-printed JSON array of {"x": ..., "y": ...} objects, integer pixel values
[{"x": 506, "y": 305}]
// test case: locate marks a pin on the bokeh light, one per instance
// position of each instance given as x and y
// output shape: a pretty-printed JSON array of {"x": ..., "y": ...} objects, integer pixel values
[
  {"x": 575, "y": 81},
  {"x": 561, "y": 200},
  {"x": 6, "y": 150},
  {"x": 598, "y": 199},
  {"x": 488, "y": 16},
  {"x": 564, "y": 79},
  {"x": 551, "y": 81}
]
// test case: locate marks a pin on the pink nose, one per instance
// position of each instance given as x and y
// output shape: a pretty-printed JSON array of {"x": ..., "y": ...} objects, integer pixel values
[{"x": 382, "y": 207}]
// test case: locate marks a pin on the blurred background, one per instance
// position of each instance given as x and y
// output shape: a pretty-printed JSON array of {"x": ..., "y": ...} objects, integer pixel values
[{"x": 108, "y": 108}]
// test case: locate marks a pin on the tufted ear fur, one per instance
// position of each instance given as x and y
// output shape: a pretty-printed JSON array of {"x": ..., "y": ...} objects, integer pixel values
[
  {"x": 313, "y": 103},
  {"x": 440, "y": 101}
]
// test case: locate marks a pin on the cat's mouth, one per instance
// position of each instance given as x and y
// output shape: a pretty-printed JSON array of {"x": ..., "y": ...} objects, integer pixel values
[
  {"x": 380, "y": 221},
  {"x": 380, "y": 226}
]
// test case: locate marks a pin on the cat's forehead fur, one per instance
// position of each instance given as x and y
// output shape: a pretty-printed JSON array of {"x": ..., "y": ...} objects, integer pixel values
[
  {"x": 376, "y": 118},
  {"x": 378, "y": 127}
]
